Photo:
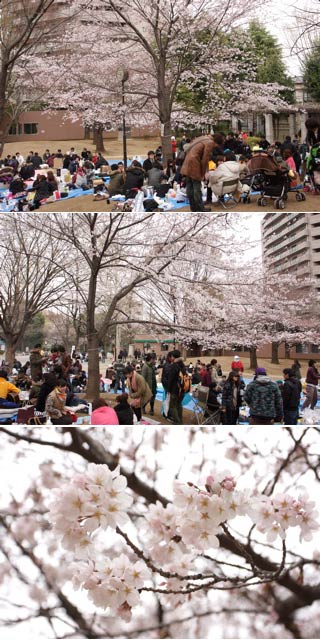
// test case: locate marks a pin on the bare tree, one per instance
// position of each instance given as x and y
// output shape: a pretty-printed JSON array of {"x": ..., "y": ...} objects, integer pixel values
[
  {"x": 27, "y": 31},
  {"x": 32, "y": 279},
  {"x": 140, "y": 249}
]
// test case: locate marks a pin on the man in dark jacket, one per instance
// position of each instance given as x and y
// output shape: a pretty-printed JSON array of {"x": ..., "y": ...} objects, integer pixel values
[
  {"x": 148, "y": 371},
  {"x": 195, "y": 167},
  {"x": 134, "y": 177},
  {"x": 291, "y": 393},
  {"x": 174, "y": 387},
  {"x": 36, "y": 160},
  {"x": 149, "y": 162},
  {"x": 264, "y": 399}
]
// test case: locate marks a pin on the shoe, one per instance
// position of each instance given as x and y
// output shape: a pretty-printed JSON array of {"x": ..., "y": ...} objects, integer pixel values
[
  {"x": 151, "y": 413},
  {"x": 206, "y": 208}
]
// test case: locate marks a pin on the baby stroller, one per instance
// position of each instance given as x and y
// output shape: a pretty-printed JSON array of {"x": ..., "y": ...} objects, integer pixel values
[
  {"x": 313, "y": 168},
  {"x": 271, "y": 180}
]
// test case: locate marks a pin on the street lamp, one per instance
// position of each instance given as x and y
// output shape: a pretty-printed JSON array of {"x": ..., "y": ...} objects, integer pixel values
[{"x": 123, "y": 75}]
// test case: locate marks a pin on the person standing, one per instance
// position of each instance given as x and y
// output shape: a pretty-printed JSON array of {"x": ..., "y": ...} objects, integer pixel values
[
  {"x": 236, "y": 365},
  {"x": 65, "y": 361},
  {"x": 165, "y": 383},
  {"x": 176, "y": 388},
  {"x": 312, "y": 379},
  {"x": 119, "y": 369},
  {"x": 36, "y": 362},
  {"x": 148, "y": 371},
  {"x": 291, "y": 394},
  {"x": 139, "y": 391},
  {"x": 232, "y": 398},
  {"x": 296, "y": 368},
  {"x": 264, "y": 399},
  {"x": 195, "y": 167}
]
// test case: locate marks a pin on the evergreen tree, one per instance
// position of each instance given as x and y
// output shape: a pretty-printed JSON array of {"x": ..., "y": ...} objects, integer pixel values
[
  {"x": 311, "y": 71},
  {"x": 270, "y": 65}
]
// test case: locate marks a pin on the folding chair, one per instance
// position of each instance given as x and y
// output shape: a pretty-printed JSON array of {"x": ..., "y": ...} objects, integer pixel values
[
  {"x": 228, "y": 189},
  {"x": 203, "y": 414}
]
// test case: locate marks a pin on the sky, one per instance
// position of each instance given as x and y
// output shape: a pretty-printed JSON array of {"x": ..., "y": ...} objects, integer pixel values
[{"x": 279, "y": 19}]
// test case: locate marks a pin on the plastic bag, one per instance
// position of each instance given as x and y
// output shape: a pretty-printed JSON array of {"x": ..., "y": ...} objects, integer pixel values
[
  {"x": 138, "y": 202},
  {"x": 165, "y": 405}
]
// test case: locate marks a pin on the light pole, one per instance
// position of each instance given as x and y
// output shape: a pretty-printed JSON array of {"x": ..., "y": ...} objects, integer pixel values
[{"x": 123, "y": 75}]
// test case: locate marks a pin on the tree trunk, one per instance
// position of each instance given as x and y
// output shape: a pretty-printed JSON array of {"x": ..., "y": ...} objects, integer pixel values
[
  {"x": 253, "y": 358},
  {"x": 98, "y": 138},
  {"x": 92, "y": 339},
  {"x": 166, "y": 142},
  {"x": 274, "y": 353},
  {"x": 287, "y": 351},
  {"x": 10, "y": 351},
  {"x": 165, "y": 115},
  {"x": 93, "y": 368}
]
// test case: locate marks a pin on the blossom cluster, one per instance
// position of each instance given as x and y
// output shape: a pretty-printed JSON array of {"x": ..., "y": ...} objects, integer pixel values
[
  {"x": 93, "y": 500},
  {"x": 175, "y": 536},
  {"x": 113, "y": 583}
]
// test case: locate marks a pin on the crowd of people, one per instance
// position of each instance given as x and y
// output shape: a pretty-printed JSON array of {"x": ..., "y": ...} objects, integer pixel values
[
  {"x": 53, "y": 381},
  {"x": 197, "y": 166}
]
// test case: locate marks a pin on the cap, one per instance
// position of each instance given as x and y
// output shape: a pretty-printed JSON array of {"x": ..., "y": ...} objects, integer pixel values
[
  {"x": 260, "y": 371},
  {"x": 236, "y": 358}
]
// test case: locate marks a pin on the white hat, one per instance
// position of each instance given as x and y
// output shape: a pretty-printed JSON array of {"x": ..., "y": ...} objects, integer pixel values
[{"x": 236, "y": 358}]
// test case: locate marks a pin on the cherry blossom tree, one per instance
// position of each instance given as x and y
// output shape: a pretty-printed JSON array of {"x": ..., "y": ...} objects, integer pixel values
[
  {"x": 249, "y": 307},
  {"x": 145, "y": 532},
  {"x": 165, "y": 49},
  {"x": 27, "y": 31}
]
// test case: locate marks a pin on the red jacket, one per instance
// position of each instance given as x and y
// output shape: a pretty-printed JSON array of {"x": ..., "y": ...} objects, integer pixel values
[{"x": 237, "y": 364}]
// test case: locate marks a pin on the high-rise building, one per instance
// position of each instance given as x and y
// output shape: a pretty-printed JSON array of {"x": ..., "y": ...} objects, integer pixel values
[{"x": 291, "y": 244}]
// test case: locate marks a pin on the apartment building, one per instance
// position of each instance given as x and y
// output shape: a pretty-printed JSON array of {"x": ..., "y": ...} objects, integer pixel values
[{"x": 291, "y": 244}]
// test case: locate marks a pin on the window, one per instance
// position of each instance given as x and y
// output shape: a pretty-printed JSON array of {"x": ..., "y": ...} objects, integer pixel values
[
  {"x": 15, "y": 129},
  {"x": 314, "y": 348},
  {"x": 30, "y": 128},
  {"x": 302, "y": 348},
  {"x": 164, "y": 346}
]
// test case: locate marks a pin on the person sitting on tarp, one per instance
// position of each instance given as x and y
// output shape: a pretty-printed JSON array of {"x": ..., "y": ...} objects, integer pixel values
[
  {"x": 116, "y": 182},
  {"x": 43, "y": 189},
  {"x": 7, "y": 390},
  {"x": 133, "y": 178}
]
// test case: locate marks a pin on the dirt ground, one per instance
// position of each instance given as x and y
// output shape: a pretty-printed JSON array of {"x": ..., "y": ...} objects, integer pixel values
[
  {"x": 113, "y": 148},
  {"x": 136, "y": 146},
  {"x": 189, "y": 417},
  {"x": 86, "y": 203}
]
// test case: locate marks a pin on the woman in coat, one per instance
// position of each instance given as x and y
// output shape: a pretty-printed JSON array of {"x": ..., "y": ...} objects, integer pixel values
[
  {"x": 139, "y": 390},
  {"x": 231, "y": 398},
  {"x": 229, "y": 170},
  {"x": 56, "y": 404}
]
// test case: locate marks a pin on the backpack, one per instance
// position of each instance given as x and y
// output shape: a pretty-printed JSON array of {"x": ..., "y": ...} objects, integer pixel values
[{"x": 184, "y": 382}]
